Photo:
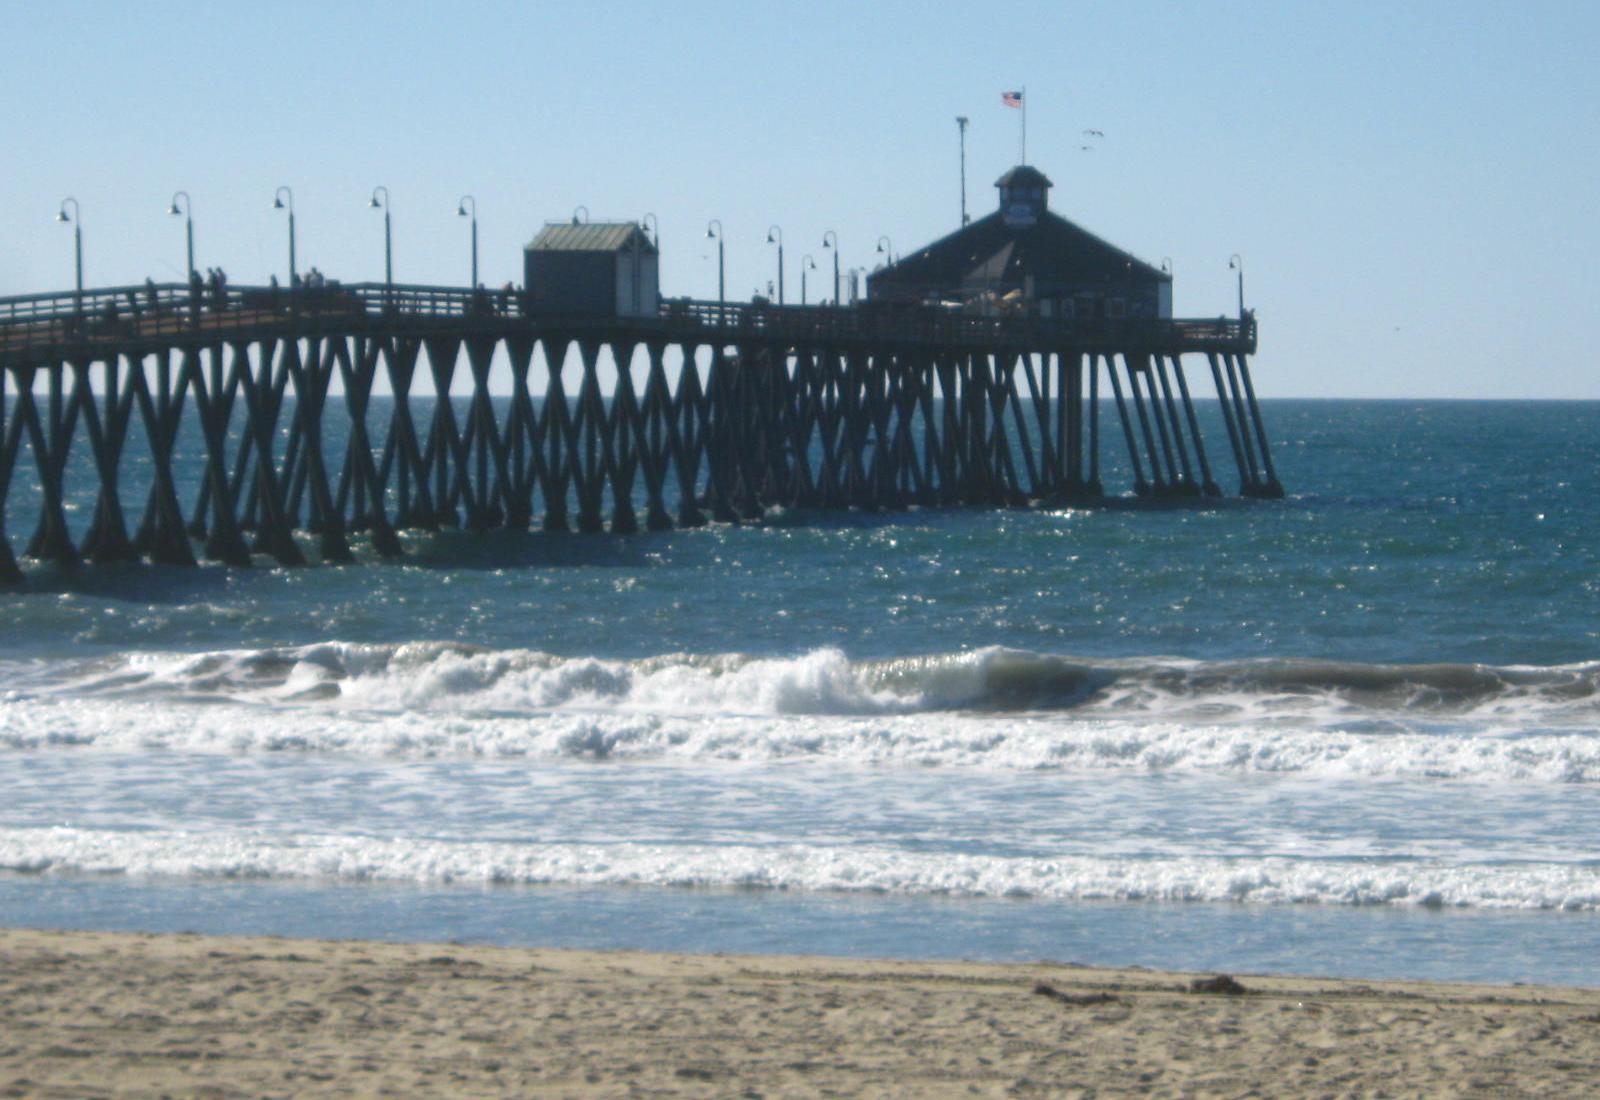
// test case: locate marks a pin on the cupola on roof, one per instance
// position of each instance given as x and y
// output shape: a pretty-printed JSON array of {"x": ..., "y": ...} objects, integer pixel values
[
  {"x": 1024, "y": 195},
  {"x": 1023, "y": 175}
]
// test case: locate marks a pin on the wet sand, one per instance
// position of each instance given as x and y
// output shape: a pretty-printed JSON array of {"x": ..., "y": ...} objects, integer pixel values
[{"x": 93, "y": 1014}]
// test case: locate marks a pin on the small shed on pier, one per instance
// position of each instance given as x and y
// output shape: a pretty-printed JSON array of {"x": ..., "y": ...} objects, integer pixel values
[
  {"x": 1023, "y": 259},
  {"x": 605, "y": 269}
]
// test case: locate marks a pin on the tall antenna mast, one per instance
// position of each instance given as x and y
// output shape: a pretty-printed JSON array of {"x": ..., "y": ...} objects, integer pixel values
[{"x": 961, "y": 123}]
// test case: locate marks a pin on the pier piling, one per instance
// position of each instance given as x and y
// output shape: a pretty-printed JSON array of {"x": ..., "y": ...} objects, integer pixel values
[{"x": 262, "y": 410}]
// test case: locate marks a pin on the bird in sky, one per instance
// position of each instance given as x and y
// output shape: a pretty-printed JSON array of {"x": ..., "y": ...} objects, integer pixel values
[
  {"x": 1093, "y": 133},
  {"x": 1086, "y": 148}
]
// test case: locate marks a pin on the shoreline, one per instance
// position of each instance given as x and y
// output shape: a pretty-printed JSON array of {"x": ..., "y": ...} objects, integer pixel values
[{"x": 180, "y": 1014}]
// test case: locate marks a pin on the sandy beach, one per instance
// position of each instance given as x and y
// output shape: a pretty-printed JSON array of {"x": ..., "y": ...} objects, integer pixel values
[{"x": 92, "y": 1014}]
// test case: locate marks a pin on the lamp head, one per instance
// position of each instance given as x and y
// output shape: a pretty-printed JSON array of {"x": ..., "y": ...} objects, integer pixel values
[
  {"x": 173, "y": 209},
  {"x": 461, "y": 209},
  {"x": 374, "y": 203},
  {"x": 277, "y": 203},
  {"x": 61, "y": 216}
]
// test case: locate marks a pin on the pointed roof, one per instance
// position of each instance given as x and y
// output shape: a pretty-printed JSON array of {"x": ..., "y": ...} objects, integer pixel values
[
  {"x": 990, "y": 252},
  {"x": 590, "y": 237}
]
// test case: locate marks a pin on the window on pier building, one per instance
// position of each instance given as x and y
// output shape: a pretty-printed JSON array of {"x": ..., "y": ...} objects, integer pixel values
[{"x": 1024, "y": 195}]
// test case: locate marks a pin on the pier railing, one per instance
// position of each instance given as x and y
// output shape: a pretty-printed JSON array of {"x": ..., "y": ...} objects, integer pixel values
[{"x": 157, "y": 311}]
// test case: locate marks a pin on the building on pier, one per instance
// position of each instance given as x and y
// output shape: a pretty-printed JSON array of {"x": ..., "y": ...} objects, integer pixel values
[
  {"x": 594, "y": 269},
  {"x": 1025, "y": 260}
]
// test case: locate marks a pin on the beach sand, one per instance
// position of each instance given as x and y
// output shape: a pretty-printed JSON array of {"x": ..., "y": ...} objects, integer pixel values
[{"x": 93, "y": 1014}]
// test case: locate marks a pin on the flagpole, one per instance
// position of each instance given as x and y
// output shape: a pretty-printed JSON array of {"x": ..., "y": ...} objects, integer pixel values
[{"x": 1024, "y": 124}]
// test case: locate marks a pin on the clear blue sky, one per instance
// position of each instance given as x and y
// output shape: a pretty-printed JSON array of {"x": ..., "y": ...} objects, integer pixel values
[{"x": 1411, "y": 186}]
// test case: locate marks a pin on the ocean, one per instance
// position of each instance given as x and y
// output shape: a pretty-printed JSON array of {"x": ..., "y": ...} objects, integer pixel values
[{"x": 1355, "y": 732}]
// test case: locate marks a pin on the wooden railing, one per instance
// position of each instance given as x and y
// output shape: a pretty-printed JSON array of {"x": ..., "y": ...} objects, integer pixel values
[{"x": 156, "y": 310}]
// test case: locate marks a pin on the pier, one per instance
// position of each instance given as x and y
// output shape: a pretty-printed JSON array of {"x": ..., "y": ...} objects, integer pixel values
[
  {"x": 970, "y": 376},
  {"x": 714, "y": 411}
]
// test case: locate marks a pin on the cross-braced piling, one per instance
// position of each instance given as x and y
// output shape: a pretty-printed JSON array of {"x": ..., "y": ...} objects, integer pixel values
[{"x": 256, "y": 415}]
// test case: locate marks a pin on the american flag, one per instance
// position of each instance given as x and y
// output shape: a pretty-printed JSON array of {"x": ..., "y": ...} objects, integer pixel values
[{"x": 1011, "y": 99}]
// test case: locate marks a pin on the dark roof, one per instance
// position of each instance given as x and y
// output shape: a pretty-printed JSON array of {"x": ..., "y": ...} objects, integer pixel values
[
  {"x": 590, "y": 237},
  {"x": 1025, "y": 176},
  {"x": 990, "y": 251}
]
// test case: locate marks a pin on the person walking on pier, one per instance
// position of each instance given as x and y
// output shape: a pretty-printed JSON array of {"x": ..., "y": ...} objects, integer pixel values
[{"x": 219, "y": 288}]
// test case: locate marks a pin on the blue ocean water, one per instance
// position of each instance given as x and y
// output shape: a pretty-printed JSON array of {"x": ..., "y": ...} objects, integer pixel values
[{"x": 1355, "y": 732}]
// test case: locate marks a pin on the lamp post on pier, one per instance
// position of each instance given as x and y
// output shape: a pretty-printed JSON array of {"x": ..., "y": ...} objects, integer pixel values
[
  {"x": 775, "y": 236},
  {"x": 388, "y": 238},
  {"x": 961, "y": 124},
  {"x": 278, "y": 203},
  {"x": 188, "y": 224},
  {"x": 76, "y": 218},
  {"x": 653, "y": 227},
  {"x": 830, "y": 239},
  {"x": 467, "y": 204},
  {"x": 805, "y": 263},
  {"x": 1236, "y": 263},
  {"x": 714, "y": 229},
  {"x": 886, "y": 246}
]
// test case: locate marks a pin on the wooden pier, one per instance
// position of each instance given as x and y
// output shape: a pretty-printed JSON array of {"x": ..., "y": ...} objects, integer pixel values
[{"x": 611, "y": 423}]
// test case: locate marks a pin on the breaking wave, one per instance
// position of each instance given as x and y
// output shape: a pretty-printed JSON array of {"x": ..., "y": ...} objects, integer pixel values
[
  {"x": 1268, "y": 880},
  {"x": 422, "y": 674},
  {"x": 990, "y": 707}
]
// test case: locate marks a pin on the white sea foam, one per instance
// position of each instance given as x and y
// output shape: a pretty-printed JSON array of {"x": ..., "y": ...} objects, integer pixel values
[
  {"x": 440, "y": 674},
  {"x": 1271, "y": 880},
  {"x": 989, "y": 708}
]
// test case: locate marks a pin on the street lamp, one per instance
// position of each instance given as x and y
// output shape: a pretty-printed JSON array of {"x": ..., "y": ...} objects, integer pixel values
[
  {"x": 1236, "y": 263},
  {"x": 76, "y": 219},
  {"x": 654, "y": 227},
  {"x": 961, "y": 124},
  {"x": 886, "y": 246},
  {"x": 714, "y": 229},
  {"x": 805, "y": 263},
  {"x": 388, "y": 238},
  {"x": 575, "y": 209},
  {"x": 188, "y": 222},
  {"x": 469, "y": 205},
  {"x": 775, "y": 236},
  {"x": 1166, "y": 265},
  {"x": 830, "y": 239},
  {"x": 279, "y": 204}
]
